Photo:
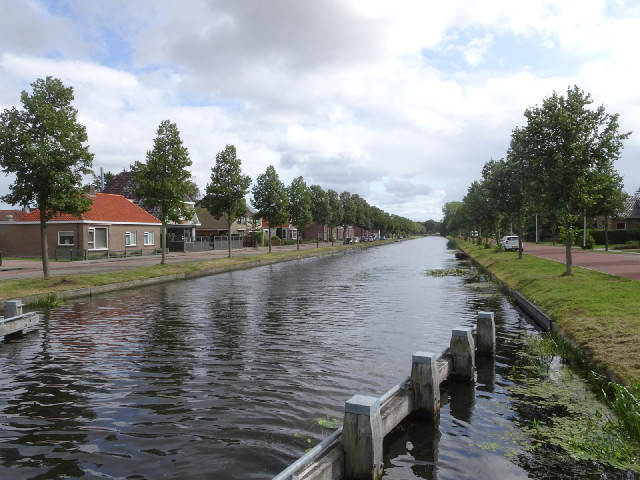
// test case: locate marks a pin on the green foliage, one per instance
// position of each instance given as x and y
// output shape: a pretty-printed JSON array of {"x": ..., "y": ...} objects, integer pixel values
[
  {"x": 572, "y": 417},
  {"x": 335, "y": 209},
  {"x": 163, "y": 181},
  {"x": 228, "y": 187},
  {"x": 616, "y": 236},
  {"x": 44, "y": 146},
  {"x": 449, "y": 272},
  {"x": 270, "y": 198},
  {"x": 299, "y": 204},
  {"x": 49, "y": 300},
  {"x": 320, "y": 207}
]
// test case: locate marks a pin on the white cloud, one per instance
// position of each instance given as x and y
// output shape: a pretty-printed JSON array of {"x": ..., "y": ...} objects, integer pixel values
[{"x": 400, "y": 102}]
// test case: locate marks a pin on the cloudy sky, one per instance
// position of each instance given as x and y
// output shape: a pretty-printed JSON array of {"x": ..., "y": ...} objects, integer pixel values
[{"x": 401, "y": 102}]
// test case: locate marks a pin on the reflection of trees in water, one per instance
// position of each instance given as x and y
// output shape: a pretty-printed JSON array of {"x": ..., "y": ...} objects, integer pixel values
[
  {"x": 49, "y": 409},
  {"x": 166, "y": 360}
]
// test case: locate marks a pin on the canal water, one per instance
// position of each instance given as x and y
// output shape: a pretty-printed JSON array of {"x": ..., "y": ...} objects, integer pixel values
[{"x": 234, "y": 376}]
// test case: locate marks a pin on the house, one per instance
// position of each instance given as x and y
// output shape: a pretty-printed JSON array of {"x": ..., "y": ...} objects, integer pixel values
[
  {"x": 630, "y": 219},
  {"x": 112, "y": 224},
  {"x": 314, "y": 231},
  {"x": 123, "y": 184},
  {"x": 209, "y": 225},
  {"x": 286, "y": 231}
]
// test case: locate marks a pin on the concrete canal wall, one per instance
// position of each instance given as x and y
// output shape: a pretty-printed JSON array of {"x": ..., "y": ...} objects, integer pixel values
[
  {"x": 355, "y": 451},
  {"x": 15, "y": 321}
]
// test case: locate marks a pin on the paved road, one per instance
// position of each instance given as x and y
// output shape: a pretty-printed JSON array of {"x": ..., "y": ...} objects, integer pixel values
[
  {"x": 16, "y": 269},
  {"x": 620, "y": 264}
]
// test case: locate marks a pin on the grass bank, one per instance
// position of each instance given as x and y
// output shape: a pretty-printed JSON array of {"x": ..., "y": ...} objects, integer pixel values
[
  {"x": 48, "y": 287},
  {"x": 599, "y": 312}
]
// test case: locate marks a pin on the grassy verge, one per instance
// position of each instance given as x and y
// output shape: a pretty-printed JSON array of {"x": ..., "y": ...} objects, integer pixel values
[
  {"x": 597, "y": 311},
  {"x": 46, "y": 286}
]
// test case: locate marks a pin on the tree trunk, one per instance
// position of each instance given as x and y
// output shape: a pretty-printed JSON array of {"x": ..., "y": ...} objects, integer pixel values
[
  {"x": 297, "y": 242},
  {"x": 44, "y": 245},
  {"x": 318, "y": 235},
  {"x": 520, "y": 232},
  {"x": 568, "y": 241},
  {"x": 163, "y": 244},
  {"x": 606, "y": 233},
  {"x": 269, "y": 238},
  {"x": 229, "y": 235}
]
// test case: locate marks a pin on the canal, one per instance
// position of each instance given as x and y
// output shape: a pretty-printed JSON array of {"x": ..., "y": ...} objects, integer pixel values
[{"x": 236, "y": 375}]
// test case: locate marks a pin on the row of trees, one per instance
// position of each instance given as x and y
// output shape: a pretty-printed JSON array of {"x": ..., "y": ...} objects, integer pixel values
[
  {"x": 45, "y": 147},
  {"x": 559, "y": 166},
  {"x": 297, "y": 203}
]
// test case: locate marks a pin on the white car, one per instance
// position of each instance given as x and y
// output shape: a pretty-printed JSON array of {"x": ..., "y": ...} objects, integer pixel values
[{"x": 509, "y": 242}]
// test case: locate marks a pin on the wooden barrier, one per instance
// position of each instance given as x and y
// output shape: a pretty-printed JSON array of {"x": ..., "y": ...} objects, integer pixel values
[
  {"x": 356, "y": 452},
  {"x": 15, "y": 321}
]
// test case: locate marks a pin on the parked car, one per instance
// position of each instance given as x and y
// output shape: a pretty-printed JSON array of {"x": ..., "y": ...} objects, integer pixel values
[
  {"x": 509, "y": 242},
  {"x": 348, "y": 240}
]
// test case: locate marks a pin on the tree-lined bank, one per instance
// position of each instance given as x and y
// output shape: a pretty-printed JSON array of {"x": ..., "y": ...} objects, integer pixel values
[{"x": 598, "y": 312}]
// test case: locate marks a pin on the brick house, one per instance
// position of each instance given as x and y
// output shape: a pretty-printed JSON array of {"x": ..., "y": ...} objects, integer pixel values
[
  {"x": 112, "y": 224},
  {"x": 123, "y": 184},
  {"x": 630, "y": 219}
]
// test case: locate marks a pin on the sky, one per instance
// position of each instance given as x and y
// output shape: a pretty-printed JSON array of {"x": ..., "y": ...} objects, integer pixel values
[{"x": 400, "y": 102}]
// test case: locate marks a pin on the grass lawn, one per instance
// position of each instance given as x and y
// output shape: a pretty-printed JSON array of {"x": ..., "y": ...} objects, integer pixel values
[
  {"x": 11, "y": 289},
  {"x": 599, "y": 312}
]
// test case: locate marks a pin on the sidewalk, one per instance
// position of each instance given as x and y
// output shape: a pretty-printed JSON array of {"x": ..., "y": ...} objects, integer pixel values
[
  {"x": 620, "y": 264},
  {"x": 17, "y": 269}
]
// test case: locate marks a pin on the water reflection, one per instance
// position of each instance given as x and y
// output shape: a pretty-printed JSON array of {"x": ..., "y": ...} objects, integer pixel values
[{"x": 228, "y": 376}]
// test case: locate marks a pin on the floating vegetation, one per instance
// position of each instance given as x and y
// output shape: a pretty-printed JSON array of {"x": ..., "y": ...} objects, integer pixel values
[
  {"x": 447, "y": 272},
  {"x": 331, "y": 424},
  {"x": 50, "y": 300},
  {"x": 557, "y": 410}
]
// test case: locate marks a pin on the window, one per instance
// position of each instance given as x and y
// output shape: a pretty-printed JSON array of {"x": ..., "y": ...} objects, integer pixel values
[
  {"x": 65, "y": 238},
  {"x": 130, "y": 239},
  {"x": 621, "y": 226},
  {"x": 148, "y": 238},
  {"x": 98, "y": 238},
  {"x": 294, "y": 234},
  {"x": 242, "y": 220}
]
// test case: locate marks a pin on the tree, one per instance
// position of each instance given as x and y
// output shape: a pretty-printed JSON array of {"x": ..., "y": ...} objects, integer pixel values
[
  {"x": 44, "y": 146},
  {"x": 228, "y": 187},
  {"x": 96, "y": 181},
  {"x": 362, "y": 219},
  {"x": 567, "y": 144},
  {"x": 319, "y": 209},
  {"x": 609, "y": 198},
  {"x": 299, "y": 206},
  {"x": 335, "y": 211},
  {"x": 270, "y": 199},
  {"x": 452, "y": 218},
  {"x": 194, "y": 191},
  {"x": 348, "y": 211},
  {"x": 163, "y": 182}
]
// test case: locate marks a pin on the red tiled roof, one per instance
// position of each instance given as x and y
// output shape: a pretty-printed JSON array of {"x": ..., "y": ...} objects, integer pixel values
[{"x": 105, "y": 208}]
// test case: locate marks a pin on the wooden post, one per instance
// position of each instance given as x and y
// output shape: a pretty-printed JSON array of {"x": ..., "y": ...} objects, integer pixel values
[
  {"x": 12, "y": 308},
  {"x": 486, "y": 333},
  {"x": 462, "y": 353},
  {"x": 362, "y": 437},
  {"x": 425, "y": 382}
]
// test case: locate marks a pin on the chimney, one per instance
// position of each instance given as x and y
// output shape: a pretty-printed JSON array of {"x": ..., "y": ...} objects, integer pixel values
[{"x": 101, "y": 179}]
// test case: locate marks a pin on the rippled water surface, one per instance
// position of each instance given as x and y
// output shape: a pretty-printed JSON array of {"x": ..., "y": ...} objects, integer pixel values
[{"x": 228, "y": 376}]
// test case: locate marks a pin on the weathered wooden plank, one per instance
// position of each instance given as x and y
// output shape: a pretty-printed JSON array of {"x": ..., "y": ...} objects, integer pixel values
[
  {"x": 330, "y": 466},
  {"x": 19, "y": 323}
]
